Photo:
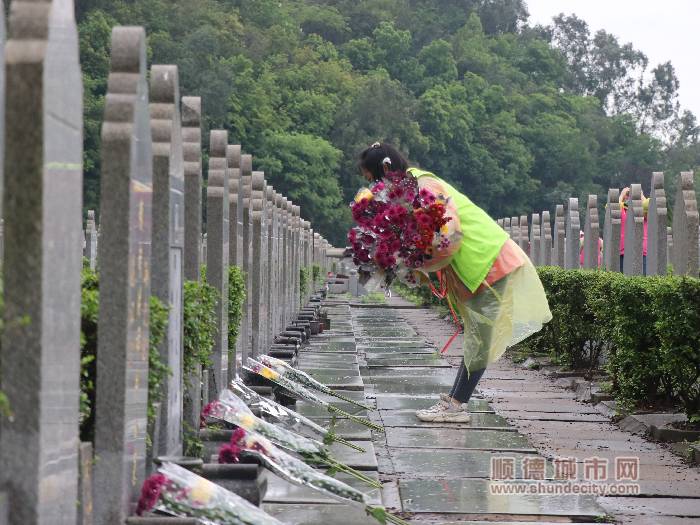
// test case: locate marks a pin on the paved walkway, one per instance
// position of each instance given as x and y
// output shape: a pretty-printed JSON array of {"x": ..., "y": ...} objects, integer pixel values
[{"x": 441, "y": 474}]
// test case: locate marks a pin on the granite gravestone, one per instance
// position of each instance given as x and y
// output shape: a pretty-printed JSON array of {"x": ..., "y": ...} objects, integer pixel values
[
  {"x": 573, "y": 227},
  {"x": 515, "y": 229},
  {"x": 506, "y": 226},
  {"x": 535, "y": 240},
  {"x": 546, "y": 242},
  {"x": 91, "y": 239},
  {"x": 257, "y": 292},
  {"x": 634, "y": 233},
  {"x": 125, "y": 285},
  {"x": 685, "y": 227},
  {"x": 217, "y": 255},
  {"x": 246, "y": 226},
  {"x": 611, "y": 232},
  {"x": 168, "y": 245},
  {"x": 524, "y": 241},
  {"x": 192, "y": 156},
  {"x": 656, "y": 228},
  {"x": 283, "y": 270},
  {"x": 296, "y": 212},
  {"x": 669, "y": 244},
  {"x": 2, "y": 107},
  {"x": 271, "y": 264},
  {"x": 559, "y": 236},
  {"x": 591, "y": 234},
  {"x": 235, "y": 241},
  {"x": 42, "y": 262}
]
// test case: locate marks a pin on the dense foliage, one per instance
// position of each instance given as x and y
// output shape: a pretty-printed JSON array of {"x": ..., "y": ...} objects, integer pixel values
[
  {"x": 199, "y": 324},
  {"x": 236, "y": 299},
  {"x": 89, "y": 312},
  {"x": 518, "y": 117},
  {"x": 647, "y": 327}
]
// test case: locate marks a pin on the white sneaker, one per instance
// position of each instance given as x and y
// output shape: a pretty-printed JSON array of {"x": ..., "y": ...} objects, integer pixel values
[{"x": 444, "y": 412}]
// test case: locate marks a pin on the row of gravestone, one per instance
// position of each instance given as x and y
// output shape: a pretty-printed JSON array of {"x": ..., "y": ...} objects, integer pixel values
[
  {"x": 561, "y": 243},
  {"x": 149, "y": 242}
]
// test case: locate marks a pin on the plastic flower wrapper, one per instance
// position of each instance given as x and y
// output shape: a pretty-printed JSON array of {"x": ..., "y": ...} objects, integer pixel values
[
  {"x": 178, "y": 492},
  {"x": 286, "y": 417},
  {"x": 304, "y": 379},
  {"x": 251, "y": 444},
  {"x": 298, "y": 391},
  {"x": 233, "y": 410}
]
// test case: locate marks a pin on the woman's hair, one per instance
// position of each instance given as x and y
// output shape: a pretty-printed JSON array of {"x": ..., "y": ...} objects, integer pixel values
[{"x": 373, "y": 159}]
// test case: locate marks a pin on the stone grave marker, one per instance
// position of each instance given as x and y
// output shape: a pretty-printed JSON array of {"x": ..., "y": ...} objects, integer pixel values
[
  {"x": 591, "y": 234},
  {"x": 535, "y": 240},
  {"x": 573, "y": 227},
  {"x": 657, "y": 219},
  {"x": 546, "y": 240},
  {"x": 685, "y": 227},
  {"x": 611, "y": 232},
  {"x": 192, "y": 153},
  {"x": 559, "y": 236},
  {"x": 524, "y": 241},
  {"x": 246, "y": 189},
  {"x": 634, "y": 233}
]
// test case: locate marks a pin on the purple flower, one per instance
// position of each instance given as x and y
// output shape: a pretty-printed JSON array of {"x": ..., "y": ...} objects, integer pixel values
[{"x": 150, "y": 492}]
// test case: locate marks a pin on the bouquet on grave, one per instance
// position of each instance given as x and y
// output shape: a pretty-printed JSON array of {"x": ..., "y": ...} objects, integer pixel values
[
  {"x": 400, "y": 227},
  {"x": 178, "y": 492},
  {"x": 300, "y": 392},
  {"x": 286, "y": 417},
  {"x": 251, "y": 444},
  {"x": 304, "y": 379},
  {"x": 233, "y": 410}
]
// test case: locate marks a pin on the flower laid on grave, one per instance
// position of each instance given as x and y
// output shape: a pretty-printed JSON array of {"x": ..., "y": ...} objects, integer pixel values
[
  {"x": 400, "y": 227},
  {"x": 250, "y": 444},
  {"x": 300, "y": 392},
  {"x": 233, "y": 410},
  {"x": 286, "y": 417},
  {"x": 178, "y": 492},
  {"x": 304, "y": 379}
]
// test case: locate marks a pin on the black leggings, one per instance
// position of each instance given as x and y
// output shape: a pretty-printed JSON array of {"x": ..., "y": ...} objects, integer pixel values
[{"x": 465, "y": 383}]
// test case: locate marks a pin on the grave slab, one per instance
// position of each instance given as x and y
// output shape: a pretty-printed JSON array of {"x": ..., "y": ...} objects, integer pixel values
[
  {"x": 319, "y": 514},
  {"x": 410, "y": 402},
  {"x": 407, "y": 418},
  {"x": 281, "y": 491}
]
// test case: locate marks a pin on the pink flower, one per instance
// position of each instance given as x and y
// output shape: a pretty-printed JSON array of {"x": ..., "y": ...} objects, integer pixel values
[
  {"x": 238, "y": 435},
  {"x": 150, "y": 492},
  {"x": 229, "y": 454},
  {"x": 207, "y": 411}
]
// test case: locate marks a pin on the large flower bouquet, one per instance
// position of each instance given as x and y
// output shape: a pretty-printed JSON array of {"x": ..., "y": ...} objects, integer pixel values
[
  {"x": 304, "y": 379},
  {"x": 295, "y": 471},
  {"x": 300, "y": 392},
  {"x": 178, "y": 492},
  {"x": 233, "y": 410},
  {"x": 286, "y": 417},
  {"x": 400, "y": 227}
]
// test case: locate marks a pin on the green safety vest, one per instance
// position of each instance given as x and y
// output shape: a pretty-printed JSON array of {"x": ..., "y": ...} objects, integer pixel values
[{"x": 482, "y": 237}]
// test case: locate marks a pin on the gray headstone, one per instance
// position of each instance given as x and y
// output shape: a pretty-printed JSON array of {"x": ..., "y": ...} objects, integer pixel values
[
  {"x": 125, "y": 285},
  {"x": 257, "y": 291},
  {"x": 685, "y": 227},
  {"x": 168, "y": 244},
  {"x": 271, "y": 264},
  {"x": 91, "y": 240},
  {"x": 572, "y": 257},
  {"x": 296, "y": 212},
  {"x": 515, "y": 229},
  {"x": 657, "y": 220},
  {"x": 247, "y": 227},
  {"x": 2, "y": 104},
  {"x": 591, "y": 234},
  {"x": 611, "y": 232},
  {"x": 506, "y": 226},
  {"x": 235, "y": 239},
  {"x": 281, "y": 258},
  {"x": 559, "y": 236},
  {"x": 501, "y": 222},
  {"x": 669, "y": 244},
  {"x": 535, "y": 240},
  {"x": 192, "y": 156},
  {"x": 524, "y": 241},
  {"x": 85, "y": 501},
  {"x": 634, "y": 233},
  {"x": 43, "y": 224},
  {"x": 546, "y": 240},
  {"x": 217, "y": 255}
]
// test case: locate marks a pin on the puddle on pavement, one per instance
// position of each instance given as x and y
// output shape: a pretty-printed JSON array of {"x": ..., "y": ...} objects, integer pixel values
[{"x": 473, "y": 496}]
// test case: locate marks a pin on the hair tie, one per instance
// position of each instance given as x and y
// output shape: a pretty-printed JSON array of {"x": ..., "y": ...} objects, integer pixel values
[
  {"x": 376, "y": 145},
  {"x": 386, "y": 160}
]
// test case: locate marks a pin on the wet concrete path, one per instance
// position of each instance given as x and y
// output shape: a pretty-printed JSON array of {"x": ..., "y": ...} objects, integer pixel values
[{"x": 432, "y": 473}]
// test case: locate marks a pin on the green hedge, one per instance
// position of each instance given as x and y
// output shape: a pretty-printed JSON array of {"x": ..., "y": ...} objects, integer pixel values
[
  {"x": 647, "y": 327},
  {"x": 316, "y": 275},
  {"x": 199, "y": 324},
  {"x": 236, "y": 298},
  {"x": 89, "y": 311}
]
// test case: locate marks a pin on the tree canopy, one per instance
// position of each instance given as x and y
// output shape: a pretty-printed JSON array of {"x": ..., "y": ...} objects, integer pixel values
[{"x": 518, "y": 117}]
